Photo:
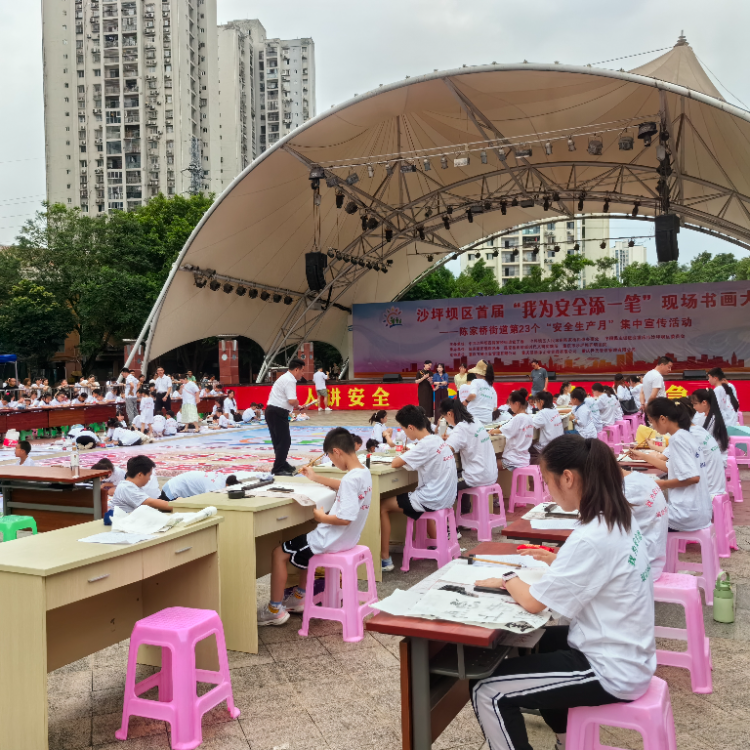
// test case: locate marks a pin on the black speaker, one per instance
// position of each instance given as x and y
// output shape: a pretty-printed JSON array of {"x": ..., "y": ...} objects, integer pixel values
[
  {"x": 315, "y": 268},
  {"x": 392, "y": 377},
  {"x": 551, "y": 376},
  {"x": 665, "y": 233},
  {"x": 693, "y": 374}
]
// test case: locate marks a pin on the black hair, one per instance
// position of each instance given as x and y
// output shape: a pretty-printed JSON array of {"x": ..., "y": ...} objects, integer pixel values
[
  {"x": 489, "y": 375},
  {"x": 602, "y": 493},
  {"x": 413, "y": 416},
  {"x": 525, "y": 392},
  {"x": 170, "y": 413},
  {"x": 125, "y": 369},
  {"x": 25, "y": 446},
  {"x": 341, "y": 438},
  {"x": 535, "y": 362},
  {"x": 578, "y": 394},
  {"x": 371, "y": 445},
  {"x": 295, "y": 364},
  {"x": 460, "y": 412},
  {"x": 113, "y": 422},
  {"x": 714, "y": 421},
  {"x": 139, "y": 465},
  {"x": 619, "y": 377},
  {"x": 598, "y": 387},
  {"x": 563, "y": 386},
  {"x": 470, "y": 376},
  {"x": 635, "y": 379},
  {"x": 518, "y": 397},
  {"x": 717, "y": 372},
  {"x": 671, "y": 410},
  {"x": 357, "y": 439},
  {"x": 664, "y": 361},
  {"x": 232, "y": 479},
  {"x": 97, "y": 392},
  {"x": 428, "y": 361},
  {"x": 103, "y": 464},
  {"x": 377, "y": 416},
  {"x": 546, "y": 398},
  {"x": 440, "y": 364},
  {"x": 609, "y": 390}
]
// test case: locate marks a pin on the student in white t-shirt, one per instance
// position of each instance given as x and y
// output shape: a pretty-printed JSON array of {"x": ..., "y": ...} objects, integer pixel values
[
  {"x": 518, "y": 432},
  {"x": 435, "y": 465},
  {"x": 708, "y": 415},
  {"x": 563, "y": 397},
  {"x": 130, "y": 493},
  {"x": 482, "y": 399},
  {"x": 192, "y": 483},
  {"x": 189, "y": 411},
  {"x": 380, "y": 432},
  {"x": 581, "y": 415},
  {"x": 726, "y": 396},
  {"x": 713, "y": 461},
  {"x": 119, "y": 435},
  {"x": 146, "y": 405},
  {"x": 653, "y": 381},
  {"x": 336, "y": 531},
  {"x": 605, "y": 404},
  {"x": 320, "y": 376},
  {"x": 465, "y": 388},
  {"x": 111, "y": 480},
  {"x": 21, "y": 452},
  {"x": 636, "y": 386},
  {"x": 158, "y": 425},
  {"x": 600, "y": 581},
  {"x": 547, "y": 419},
  {"x": 171, "y": 427}
]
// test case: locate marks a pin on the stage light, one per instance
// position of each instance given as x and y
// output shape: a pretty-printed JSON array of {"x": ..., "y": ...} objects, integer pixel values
[
  {"x": 351, "y": 207},
  {"x": 483, "y": 157},
  {"x": 523, "y": 151},
  {"x": 443, "y": 162},
  {"x": 576, "y": 247},
  {"x": 501, "y": 154},
  {"x": 631, "y": 243},
  {"x": 240, "y": 291},
  {"x": 408, "y": 168},
  {"x": 361, "y": 262},
  {"x": 595, "y": 146},
  {"x": 228, "y": 288},
  {"x": 449, "y": 210},
  {"x": 495, "y": 253},
  {"x": 264, "y": 295},
  {"x": 252, "y": 293},
  {"x": 427, "y": 212},
  {"x": 514, "y": 253},
  {"x": 288, "y": 300},
  {"x": 368, "y": 265},
  {"x": 370, "y": 171},
  {"x": 372, "y": 223},
  {"x": 625, "y": 142},
  {"x": 364, "y": 222},
  {"x": 555, "y": 197},
  {"x": 389, "y": 170},
  {"x": 548, "y": 148},
  {"x": 214, "y": 285},
  {"x": 556, "y": 249},
  {"x": 487, "y": 206},
  {"x": 426, "y": 164},
  {"x": 199, "y": 281},
  {"x": 317, "y": 173},
  {"x": 646, "y": 131},
  {"x": 332, "y": 181},
  {"x": 535, "y": 252},
  {"x": 602, "y": 244},
  {"x": 580, "y": 202},
  {"x": 503, "y": 208},
  {"x": 339, "y": 199},
  {"x": 315, "y": 184},
  {"x": 514, "y": 202},
  {"x": 527, "y": 203},
  {"x": 571, "y": 144},
  {"x": 331, "y": 252},
  {"x": 420, "y": 232},
  {"x": 462, "y": 161},
  {"x": 338, "y": 255},
  {"x": 389, "y": 262},
  {"x": 430, "y": 258},
  {"x": 277, "y": 298},
  {"x": 384, "y": 269},
  {"x": 661, "y": 152},
  {"x": 636, "y": 206},
  {"x": 352, "y": 179},
  {"x": 446, "y": 222},
  {"x": 545, "y": 203},
  {"x": 376, "y": 266},
  {"x": 606, "y": 205},
  {"x": 470, "y": 216},
  {"x": 388, "y": 235}
]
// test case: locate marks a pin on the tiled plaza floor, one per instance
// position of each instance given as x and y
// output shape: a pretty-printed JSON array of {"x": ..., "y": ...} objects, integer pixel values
[{"x": 319, "y": 693}]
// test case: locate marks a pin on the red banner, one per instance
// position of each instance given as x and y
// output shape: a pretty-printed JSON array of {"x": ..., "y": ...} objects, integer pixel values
[{"x": 374, "y": 396}]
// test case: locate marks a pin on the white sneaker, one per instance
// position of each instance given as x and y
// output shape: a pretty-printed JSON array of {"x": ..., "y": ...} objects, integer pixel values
[
  {"x": 328, "y": 408},
  {"x": 266, "y": 617},
  {"x": 294, "y": 604}
]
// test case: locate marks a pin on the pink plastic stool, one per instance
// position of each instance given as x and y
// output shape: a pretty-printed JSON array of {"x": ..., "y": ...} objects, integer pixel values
[
  {"x": 633, "y": 421},
  {"x": 177, "y": 630},
  {"x": 442, "y": 549},
  {"x": 651, "y": 715},
  {"x": 726, "y": 538},
  {"x": 480, "y": 517},
  {"x": 674, "y": 588},
  {"x": 740, "y": 419},
  {"x": 520, "y": 493},
  {"x": 734, "y": 486},
  {"x": 626, "y": 430},
  {"x": 739, "y": 449},
  {"x": 615, "y": 437},
  {"x": 341, "y": 599},
  {"x": 709, "y": 565},
  {"x": 606, "y": 437}
]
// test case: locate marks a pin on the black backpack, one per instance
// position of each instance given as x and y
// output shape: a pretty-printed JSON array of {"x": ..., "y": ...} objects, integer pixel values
[{"x": 628, "y": 405}]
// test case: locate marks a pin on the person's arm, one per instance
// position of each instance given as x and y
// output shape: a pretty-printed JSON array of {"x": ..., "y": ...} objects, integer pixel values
[
  {"x": 669, "y": 484},
  {"x": 161, "y": 505},
  {"x": 518, "y": 590},
  {"x": 654, "y": 394},
  {"x": 655, "y": 459},
  {"x": 388, "y": 435},
  {"x": 398, "y": 462},
  {"x": 309, "y": 473},
  {"x": 322, "y": 517}
]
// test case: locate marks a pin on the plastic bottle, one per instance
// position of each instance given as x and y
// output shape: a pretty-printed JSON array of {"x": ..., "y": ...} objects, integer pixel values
[
  {"x": 723, "y": 599},
  {"x": 75, "y": 466}
]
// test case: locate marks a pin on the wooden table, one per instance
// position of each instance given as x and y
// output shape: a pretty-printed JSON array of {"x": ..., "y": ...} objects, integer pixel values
[
  {"x": 431, "y": 694},
  {"x": 36, "y": 479},
  {"x": 63, "y": 600},
  {"x": 521, "y": 529},
  {"x": 31, "y": 419}
]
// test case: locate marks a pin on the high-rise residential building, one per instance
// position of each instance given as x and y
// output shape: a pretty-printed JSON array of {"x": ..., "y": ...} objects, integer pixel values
[{"x": 131, "y": 100}]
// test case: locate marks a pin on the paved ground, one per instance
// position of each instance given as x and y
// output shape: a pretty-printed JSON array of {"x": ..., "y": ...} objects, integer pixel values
[{"x": 319, "y": 693}]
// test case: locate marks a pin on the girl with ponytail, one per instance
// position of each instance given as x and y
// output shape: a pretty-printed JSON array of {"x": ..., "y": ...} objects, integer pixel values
[
  {"x": 380, "y": 432},
  {"x": 706, "y": 406},
  {"x": 600, "y": 580},
  {"x": 726, "y": 395}
]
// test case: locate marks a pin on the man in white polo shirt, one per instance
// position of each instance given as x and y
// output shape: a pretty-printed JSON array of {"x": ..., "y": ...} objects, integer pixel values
[
  {"x": 163, "y": 385},
  {"x": 319, "y": 378},
  {"x": 283, "y": 399},
  {"x": 653, "y": 381}
]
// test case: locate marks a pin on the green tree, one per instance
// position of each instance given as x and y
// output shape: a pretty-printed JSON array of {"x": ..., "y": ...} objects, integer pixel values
[
  {"x": 478, "y": 279},
  {"x": 742, "y": 272},
  {"x": 439, "y": 284},
  {"x": 705, "y": 268}
]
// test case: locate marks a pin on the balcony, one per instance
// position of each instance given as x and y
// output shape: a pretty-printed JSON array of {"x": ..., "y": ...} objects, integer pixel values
[
  {"x": 114, "y": 178},
  {"x": 132, "y": 117},
  {"x": 110, "y": 43},
  {"x": 133, "y": 146}
]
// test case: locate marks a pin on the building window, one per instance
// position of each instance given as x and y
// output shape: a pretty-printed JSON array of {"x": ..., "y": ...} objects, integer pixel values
[
  {"x": 97, "y": 72},
  {"x": 571, "y": 225},
  {"x": 490, "y": 256},
  {"x": 80, "y": 74}
]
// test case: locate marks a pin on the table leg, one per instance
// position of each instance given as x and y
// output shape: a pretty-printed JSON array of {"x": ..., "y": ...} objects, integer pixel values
[
  {"x": 421, "y": 720},
  {"x": 97, "y": 499}
]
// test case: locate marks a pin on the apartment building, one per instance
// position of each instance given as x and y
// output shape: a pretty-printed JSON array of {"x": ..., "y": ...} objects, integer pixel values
[{"x": 131, "y": 97}]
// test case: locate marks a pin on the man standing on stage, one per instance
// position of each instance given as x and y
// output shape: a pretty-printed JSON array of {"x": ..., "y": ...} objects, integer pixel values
[
  {"x": 163, "y": 385},
  {"x": 539, "y": 379},
  {"x": 319, "y": 378},
  {"x": 281, "y": 402},
  {"x": 653, "y": 381}
]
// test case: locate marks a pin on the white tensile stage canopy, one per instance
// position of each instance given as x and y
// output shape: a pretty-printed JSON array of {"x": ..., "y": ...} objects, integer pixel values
[{"x": 428, "y": 167}]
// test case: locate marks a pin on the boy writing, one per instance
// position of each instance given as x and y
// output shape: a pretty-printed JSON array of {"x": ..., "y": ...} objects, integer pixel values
[
  {"x": 22, "y": 453},
  {"x": 130, "y": 493},
  {"x": 336, "y": 531}
]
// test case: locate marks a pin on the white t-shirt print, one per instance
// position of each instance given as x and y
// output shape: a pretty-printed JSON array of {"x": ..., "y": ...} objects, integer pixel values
[{"x": 435, "y": 464}]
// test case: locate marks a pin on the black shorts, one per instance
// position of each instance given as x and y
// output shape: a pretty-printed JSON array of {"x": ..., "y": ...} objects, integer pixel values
[
  {"x": 163, "y": 496},
  {"x": 132, "y": 445},
  {"x": 405, "y": 504},
  {"x": 300, "y": 551}
]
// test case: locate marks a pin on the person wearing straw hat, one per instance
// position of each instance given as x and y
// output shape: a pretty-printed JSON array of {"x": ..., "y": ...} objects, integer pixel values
[{"x": 482, "y": 398}]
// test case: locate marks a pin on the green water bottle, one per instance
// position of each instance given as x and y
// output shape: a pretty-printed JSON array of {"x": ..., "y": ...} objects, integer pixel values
[{"x": 723, "y": 600}]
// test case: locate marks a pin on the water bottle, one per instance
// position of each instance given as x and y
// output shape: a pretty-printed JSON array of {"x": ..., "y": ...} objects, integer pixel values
[
  {"x": 74, "y": 462},
  {"x": 442, "y": 427},
  {"x": 723, "y": 599}
]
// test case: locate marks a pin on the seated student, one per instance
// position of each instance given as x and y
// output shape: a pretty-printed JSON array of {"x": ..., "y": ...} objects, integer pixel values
[
  {"x": 435, "y": 465},
  {"x": 21, "y": 452},
  {"x": 230, "y": 403},
  {"x": 524, "y": 392},
  {"x": 380, "y": 432},
  {"x": 482, "y": 398},
  {"x": 726, "y": 396},
  {"x": 373, "y": 446},
  {"x": 122, "y": 436},
  {"x": 337, "y": 531},
  {"x": 690, "y": 507},
  {"x": 5, "y": 401},
  {"x": 547, "y": 419},
  {"x": 606, "y": 405},
  {"x": 172, "y": 427},
  {"x": 465, "y": 388},
  {"x": 60, "y": 400},
  {"x": 518, "y": 433},
  {"x": 84, "y": 438},
  {"x": 131, "y": 493},
  {"x": 593, "y": 403},
  {"x": 600, "y": 582},
  {"x": 581, "y": 415},
  {"x": 111, "y": 395},
  {"x": 115, "y": 476},
  {"x": 563, "y": 398},
  {"x": 708, "y": 415},
  {"x": 249, "y": 414},
  {"x": 158, "y": 426},
  {"x": 192, "y": 483}
]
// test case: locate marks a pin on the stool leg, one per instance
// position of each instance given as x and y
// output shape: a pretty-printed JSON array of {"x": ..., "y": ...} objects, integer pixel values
[
  {"x": 165, "y": 682},
  {"x": 221, "y": 647},
  {"x": 122, "y": 732},
  {"x": 186, "y": 723},
  {"x": 310, "y": 604},
  {"x": 483, "y": 499},
  {"x": 352, "y": 623},
  {"x": 372, "y": 588},
  {"x": 408, "y": 544}
]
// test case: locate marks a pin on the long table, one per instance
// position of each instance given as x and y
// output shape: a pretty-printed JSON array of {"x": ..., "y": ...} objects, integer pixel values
[
  {"x": 64, "y": 416},
  {"x": 63, "y": 600}
]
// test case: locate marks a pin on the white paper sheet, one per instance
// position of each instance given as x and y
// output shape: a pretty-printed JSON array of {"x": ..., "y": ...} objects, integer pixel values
[
  {"x": 470, "y": 574},
  {"x": 398, "y": 603},
  {"x": 148, "y": 520},
  {"x": 540, "y": 511},
  {"x": 321, "y": 496},
  {"x": 116, "y": 537},
  {"x": 553, "y": 523}
]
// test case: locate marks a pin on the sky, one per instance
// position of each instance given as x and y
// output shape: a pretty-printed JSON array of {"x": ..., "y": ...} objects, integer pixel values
[{"x": 362, "y": 44}]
